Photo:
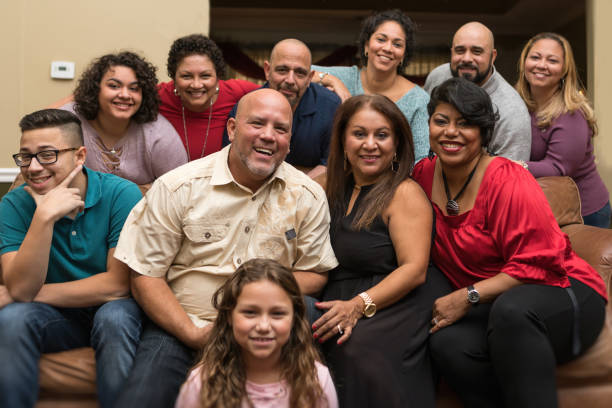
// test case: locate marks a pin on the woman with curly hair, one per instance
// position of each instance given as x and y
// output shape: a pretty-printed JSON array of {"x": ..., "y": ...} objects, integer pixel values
[
  {"x": 116, "y": 100},
  {"x": 562, "y": 122},
  {"x": 386, "y": 44},
  {"x": 197, "y": 101},
  {"x": 260, "y": 352}
]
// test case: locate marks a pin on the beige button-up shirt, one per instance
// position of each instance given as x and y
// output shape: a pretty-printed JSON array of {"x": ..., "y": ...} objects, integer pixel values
[{"x": 197, "y": 225}]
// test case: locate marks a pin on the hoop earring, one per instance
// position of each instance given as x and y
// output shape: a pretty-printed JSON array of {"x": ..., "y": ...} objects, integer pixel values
[
  {"x": 365, "y": 54},
  {"x": 395, "y": 163},
  {"x": 562, "y": 83},
  {"x": 217, "y": 89},
  {"x": 176, "y": 92}
]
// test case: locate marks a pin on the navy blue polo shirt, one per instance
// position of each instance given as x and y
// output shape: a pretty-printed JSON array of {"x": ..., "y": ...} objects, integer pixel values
[
  {"x": 311, "y": 129},
  {"x": 79, "y": 247}
]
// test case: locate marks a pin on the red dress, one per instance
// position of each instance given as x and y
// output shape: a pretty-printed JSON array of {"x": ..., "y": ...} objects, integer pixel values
[
  {"x": 230, "y": 92},
  {"x": 511, "y": 229}
]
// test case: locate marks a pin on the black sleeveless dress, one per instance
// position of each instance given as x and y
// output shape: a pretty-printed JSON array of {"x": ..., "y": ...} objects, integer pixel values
[{"x": 385, "y": 362}]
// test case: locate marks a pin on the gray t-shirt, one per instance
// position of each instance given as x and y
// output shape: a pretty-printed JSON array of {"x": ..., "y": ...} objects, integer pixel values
[
  {"x": 512, "y": 133},
  {"x": 413, "y": 105}
]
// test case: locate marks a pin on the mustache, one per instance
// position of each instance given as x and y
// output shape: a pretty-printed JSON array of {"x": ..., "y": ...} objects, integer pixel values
[
  {"x": 288, "y": 87},
  {"x": 467, "y": 65}
]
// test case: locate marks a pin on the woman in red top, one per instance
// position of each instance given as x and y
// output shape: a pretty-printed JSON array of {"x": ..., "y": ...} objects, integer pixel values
[
  {"x": 522, "y": 300},
  {"x": 196, "y": 101}
]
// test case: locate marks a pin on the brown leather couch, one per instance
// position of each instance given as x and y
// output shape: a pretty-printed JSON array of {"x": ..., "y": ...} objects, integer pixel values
[{"x": 67, "y": 379}]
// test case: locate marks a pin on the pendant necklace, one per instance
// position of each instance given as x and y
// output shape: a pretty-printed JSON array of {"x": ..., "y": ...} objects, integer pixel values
[
  {"x": 207, "y": 129},
  {"x": 452, "y": 207}
]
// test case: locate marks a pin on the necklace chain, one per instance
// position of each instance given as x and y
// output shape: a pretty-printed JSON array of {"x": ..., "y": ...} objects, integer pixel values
[
  {"x": 207, "y": 129},
  {"x": 452, "y": 206}
]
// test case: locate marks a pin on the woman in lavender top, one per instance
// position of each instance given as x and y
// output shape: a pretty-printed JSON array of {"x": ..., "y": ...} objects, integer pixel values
[
  {"x": 116, "y": 100},
  {"x": 386, "y": 44},
  {"x": 562, "y": 122}
]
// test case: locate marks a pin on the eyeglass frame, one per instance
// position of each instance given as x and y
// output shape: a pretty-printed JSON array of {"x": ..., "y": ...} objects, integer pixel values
[{"x": 35, "y": 156}]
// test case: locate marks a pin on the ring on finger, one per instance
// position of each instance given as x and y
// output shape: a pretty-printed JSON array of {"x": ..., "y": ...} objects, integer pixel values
[
  {"x": 340, "y": 331},
  {"x": 435, "y": 321}
]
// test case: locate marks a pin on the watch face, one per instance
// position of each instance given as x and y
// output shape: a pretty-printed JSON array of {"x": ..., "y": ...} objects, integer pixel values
[
  {"x": 473, "y": 296},
  {"x": 369, "y": 310}
]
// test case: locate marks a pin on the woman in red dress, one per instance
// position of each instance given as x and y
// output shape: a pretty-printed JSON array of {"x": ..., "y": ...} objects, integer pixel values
[{"x": 521, "y": 300}]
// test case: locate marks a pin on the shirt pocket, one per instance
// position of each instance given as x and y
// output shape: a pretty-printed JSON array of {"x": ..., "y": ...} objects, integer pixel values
[{"x": 203, "y": 233}]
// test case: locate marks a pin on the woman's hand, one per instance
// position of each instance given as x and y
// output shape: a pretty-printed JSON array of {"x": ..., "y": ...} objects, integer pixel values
[
  {"x": 448, "y": 309},
  {"x": 340, "y": 318},
  {"x": 333, "y": 84}
]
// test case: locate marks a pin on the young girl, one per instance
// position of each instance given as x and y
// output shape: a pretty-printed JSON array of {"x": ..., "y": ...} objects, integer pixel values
[{"x": 260, "y": 352}]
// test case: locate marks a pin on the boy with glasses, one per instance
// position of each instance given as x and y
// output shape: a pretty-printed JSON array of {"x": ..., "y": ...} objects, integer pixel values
[{"x": 63, "y": 287}]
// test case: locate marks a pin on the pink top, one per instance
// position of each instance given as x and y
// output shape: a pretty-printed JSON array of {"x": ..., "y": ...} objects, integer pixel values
[
  {"x": 196, "y": 123},
  {"x": 275, "y": 395},
  {"x": 511, "y": 229}
]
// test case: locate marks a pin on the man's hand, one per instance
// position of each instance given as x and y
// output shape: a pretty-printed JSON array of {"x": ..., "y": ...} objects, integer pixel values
[
  {"x": 60, "y": 201},
  {"x": 5, "y": 298}
]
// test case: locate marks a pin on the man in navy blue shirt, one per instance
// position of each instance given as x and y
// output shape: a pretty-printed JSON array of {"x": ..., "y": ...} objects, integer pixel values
[{"x": 314, "y": 106}]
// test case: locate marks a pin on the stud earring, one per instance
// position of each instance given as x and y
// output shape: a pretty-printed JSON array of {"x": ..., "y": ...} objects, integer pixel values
[{"x": 176, "y": 92}]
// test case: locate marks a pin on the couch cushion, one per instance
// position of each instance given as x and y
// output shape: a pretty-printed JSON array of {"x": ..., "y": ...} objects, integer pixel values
[
  {"x": 564, "y": 199},
  {"x": 68, "y": 372}
]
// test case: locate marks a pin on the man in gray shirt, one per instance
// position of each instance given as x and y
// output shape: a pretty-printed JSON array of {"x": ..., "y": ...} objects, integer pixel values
[{"x": 472, "y": 57}]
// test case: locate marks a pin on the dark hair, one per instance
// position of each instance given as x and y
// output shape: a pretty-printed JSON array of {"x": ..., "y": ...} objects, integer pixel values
[
  {"x": 471, "y": 101},
  {"x": 223, "y": 372},
  {"x": 195, "y": 44},
  {"x": 67, "y": 122},
  {"x": 88, "y": 89},
  {"x": 371, "y": 23},
  {"x": 379, "y": 197}
]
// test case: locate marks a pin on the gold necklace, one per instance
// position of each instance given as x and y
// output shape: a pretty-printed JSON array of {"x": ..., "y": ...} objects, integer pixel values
[{"x": 207, "y": 129}]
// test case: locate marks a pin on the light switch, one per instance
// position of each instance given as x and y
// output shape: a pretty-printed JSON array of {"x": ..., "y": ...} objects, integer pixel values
[{"x": 62, "y": 69}]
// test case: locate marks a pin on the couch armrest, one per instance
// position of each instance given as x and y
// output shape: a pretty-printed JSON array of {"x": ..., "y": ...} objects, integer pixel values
[{"x": 594, "y": 245}]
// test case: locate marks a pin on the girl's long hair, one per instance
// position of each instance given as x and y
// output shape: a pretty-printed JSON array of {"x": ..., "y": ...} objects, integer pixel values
[
  {"x": 223, "y": 371},
  {"x": 339, "y": 170},
  {"x": 569, "y": 98}
]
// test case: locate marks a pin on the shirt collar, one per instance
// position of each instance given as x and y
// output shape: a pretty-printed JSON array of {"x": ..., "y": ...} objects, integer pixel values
[
  {"x": 94, "y": 187},
  {"x": 491, "y": 85}
]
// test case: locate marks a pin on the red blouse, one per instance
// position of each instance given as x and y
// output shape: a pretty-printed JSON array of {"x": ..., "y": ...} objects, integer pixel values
[
  {"x": 230, "y": 92},
  {"x": 511, "y": 229}
]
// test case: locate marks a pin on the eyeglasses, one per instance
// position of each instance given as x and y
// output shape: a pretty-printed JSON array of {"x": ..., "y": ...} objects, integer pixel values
[{"x": 43, "y": 157}]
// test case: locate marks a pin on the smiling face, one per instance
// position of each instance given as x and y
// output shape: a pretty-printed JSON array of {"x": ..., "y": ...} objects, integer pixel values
[
  {"x": 262, "y": 321},
  {"x": 289, "y": 70},
  {"x": 120, "y": 94},
  {"x": 196, "y": 82},
  {"x": 544, "y": 64},
  {"x": 472, "y": 53},
  {"x": 260, "y": 136},
  {"x": 369, "y": 144},
  {"x": 455, "y": 142},
  {"x": 386, "y": 46},
  {"x": 43, "y": 178}
]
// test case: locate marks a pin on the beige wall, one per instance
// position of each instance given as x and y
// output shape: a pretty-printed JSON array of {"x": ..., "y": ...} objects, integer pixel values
[
  {"x": 35, "y": 32},
  {"x": 599, "y": 61}
]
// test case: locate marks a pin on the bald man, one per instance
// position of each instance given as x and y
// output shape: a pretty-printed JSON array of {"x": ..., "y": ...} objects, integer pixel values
[
  {"x": 473, "y": 54},
  {"x": 200, "y": 222},
  {"x": 313, "y": 106}
]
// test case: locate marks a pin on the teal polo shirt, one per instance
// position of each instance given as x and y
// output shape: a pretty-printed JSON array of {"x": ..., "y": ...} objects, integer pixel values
[{"x": 79, "y": 247}]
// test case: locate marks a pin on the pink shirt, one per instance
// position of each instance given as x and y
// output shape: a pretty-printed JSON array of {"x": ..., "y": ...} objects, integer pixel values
[{"x": 275, "y": 395}]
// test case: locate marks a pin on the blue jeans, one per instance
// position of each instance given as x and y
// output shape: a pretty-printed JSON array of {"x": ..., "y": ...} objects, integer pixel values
[
  {"x": 161, "y": 366},
  {"x": 29, "y": 329},
  {"x": 600, "y": 218}
]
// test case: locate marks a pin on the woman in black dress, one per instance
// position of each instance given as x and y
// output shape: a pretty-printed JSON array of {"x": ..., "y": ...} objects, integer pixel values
[{"x": 378, "y": 301}]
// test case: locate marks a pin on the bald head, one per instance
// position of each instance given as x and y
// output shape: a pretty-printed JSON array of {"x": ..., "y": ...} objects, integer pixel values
[
  {"x": 288, "y": 70},
  {"x": 473, "y": 53},
  {"x": 260, "y": 136}
]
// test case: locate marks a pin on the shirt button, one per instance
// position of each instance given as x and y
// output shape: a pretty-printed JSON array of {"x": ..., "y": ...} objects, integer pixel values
[
  {"x": 247, "y": 229},
  {"x": 207, "y": 235},
  {"x": 253, "y": 198},
  {"x": 73, "y": 233},
  {"x": 239, "y": 261}
]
